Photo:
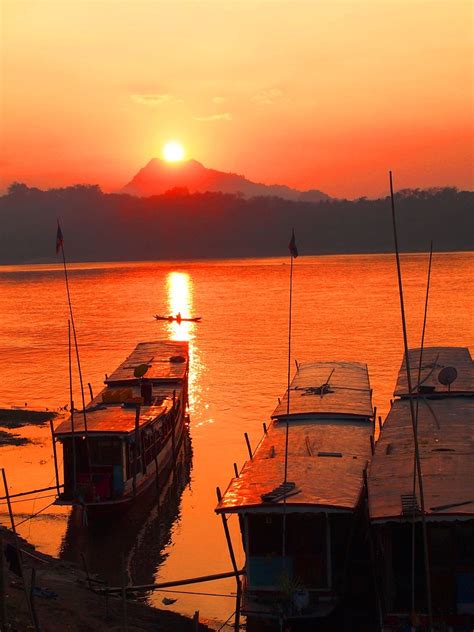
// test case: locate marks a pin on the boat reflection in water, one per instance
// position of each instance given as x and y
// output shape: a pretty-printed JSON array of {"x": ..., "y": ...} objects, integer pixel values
[
  {"x": 143, "y": 532},
  {"x": 139, "y": 535}
]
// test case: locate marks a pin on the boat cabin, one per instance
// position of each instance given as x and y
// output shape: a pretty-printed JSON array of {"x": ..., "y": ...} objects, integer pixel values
[
  {"x": 130, "y": 430},
  {"x": 297, "y": 538},
  {"x": 445, "y": 418}
]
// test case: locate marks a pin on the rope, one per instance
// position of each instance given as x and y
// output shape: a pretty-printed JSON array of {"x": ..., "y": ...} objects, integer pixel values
[
  {"x": 35, "y": 514},
  {"x": 25, "y": 500},
  {"x": 226, "y": 621}
]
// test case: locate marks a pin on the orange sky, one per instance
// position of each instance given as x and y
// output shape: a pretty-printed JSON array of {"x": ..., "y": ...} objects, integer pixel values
[{"x": 323, "y": 94}]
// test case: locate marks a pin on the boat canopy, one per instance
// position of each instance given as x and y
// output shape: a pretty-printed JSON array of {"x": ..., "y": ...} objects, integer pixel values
[
  {"x": 327, "y": 452},
  {"x": 446, "y": 444},
  {"x": 434, "y": 360},
  {"x": 325, "y": 461},
  {"x": 117, "y": 417},
  {"x": 328, "y": 388},
  {"x": 167, "y": 360}
]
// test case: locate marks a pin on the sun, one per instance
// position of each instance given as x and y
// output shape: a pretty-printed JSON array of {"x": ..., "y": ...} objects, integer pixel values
[{"x": 173, "y": 151}]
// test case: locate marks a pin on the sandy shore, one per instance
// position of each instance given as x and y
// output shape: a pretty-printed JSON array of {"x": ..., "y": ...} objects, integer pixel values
[{"x": 63, "y": 601}]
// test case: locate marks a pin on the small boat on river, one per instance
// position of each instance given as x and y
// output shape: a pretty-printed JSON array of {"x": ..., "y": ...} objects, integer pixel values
[
  {"x": 178, "y": 318},
  {"x": 300, "y": 537},
  {"x": 130, "y": 433},
  {"x": 443, "y": 398}
]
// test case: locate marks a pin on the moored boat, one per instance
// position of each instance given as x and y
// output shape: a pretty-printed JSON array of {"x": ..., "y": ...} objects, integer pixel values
[
  {"x": 443, "y": 398},
  {"x": 129, "y": 434},
  {"x": 299, "y": 537}
]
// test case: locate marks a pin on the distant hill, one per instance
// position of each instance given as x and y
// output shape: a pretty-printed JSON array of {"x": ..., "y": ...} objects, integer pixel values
[
  {"x": 101, "y": 226},
  {"x": 158, "y": 177}
]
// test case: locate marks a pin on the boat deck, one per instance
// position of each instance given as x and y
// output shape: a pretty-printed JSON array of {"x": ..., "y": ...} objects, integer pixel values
[
  {"x": 327, "y": 451},
  {"x": 113, "y": 410},
  {"x": 435, "y": 359},
  {"x": 446, "y": 442},
  {"x": 167, "y": 360},
  {"x": 347, "y": 392}
]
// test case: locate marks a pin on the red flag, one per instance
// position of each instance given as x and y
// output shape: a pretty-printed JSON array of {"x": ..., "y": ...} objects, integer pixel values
[
  {"x": 292, "y": 245},
  {"x": 59, "y": 239}
]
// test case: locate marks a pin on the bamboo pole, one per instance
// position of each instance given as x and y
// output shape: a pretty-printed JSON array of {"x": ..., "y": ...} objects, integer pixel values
[
  {"x": 71, "y": 406},
  {"x": 180, "y": 582},
  {"x": 55, "y": 456},
  {"x": 412, "y": 412},
  {"x": 3, "y": 585},
  {"x": 248, "y": 445},
  {"x": 232, "y": 559},
  {"x": 19, "y": 554},
  {"x": 33, "y": 491}
]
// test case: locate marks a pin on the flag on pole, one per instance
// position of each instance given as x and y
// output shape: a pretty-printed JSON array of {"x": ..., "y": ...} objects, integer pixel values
[
  {"x": 59, "y": 239},
  {"x": 292, "y": 245}
]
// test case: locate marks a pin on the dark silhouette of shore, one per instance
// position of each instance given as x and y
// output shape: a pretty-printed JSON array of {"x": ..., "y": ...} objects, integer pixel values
[{"x": 178, "y": 225}]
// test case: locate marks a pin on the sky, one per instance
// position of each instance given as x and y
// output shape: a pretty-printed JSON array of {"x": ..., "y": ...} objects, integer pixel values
[{"x": 316, "y": 94}]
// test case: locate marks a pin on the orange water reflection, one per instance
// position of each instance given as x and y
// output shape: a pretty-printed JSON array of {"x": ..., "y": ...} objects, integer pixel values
[{"x": 180, "y": 295}]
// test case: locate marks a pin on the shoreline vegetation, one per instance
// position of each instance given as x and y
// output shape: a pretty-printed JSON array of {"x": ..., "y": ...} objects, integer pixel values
[{"x": 179, "y": 225}]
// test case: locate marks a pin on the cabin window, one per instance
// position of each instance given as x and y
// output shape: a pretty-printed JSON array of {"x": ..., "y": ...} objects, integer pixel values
[
  {"x": 306, "y": 549},
  {"x": 105, "y": 451}
]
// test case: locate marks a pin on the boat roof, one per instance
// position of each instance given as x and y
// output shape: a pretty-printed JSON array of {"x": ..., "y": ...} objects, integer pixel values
[
  {"x": 113, "y": 410},
  {"x": 435, "y": 359},
  {"x": 326, "y": 460},
  {"x": 162, "y": 358},
  {"x": 446, "y": 444},
  {"x": 349, "y": 391}
]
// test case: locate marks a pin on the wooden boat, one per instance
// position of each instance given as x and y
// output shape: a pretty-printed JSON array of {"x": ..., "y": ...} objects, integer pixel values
[
  {"x": 446, "y": 446},
  {"x": 132, "y": 432},
  {"x": 330, "y": 427},
  {"x": 178, "y": 318}
]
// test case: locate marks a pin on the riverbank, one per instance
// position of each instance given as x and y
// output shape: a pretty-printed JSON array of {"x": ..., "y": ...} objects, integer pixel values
[{"x": 63, "y": 600}]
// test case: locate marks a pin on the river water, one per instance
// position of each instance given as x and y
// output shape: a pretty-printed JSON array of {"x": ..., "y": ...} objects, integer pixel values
[{"x": 345, "y": 308}]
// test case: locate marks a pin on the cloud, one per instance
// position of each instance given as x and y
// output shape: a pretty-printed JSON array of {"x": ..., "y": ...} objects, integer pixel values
[
  {"x": 225, "y": 116},
  {"x": 267, "y": 97},
  {"x": 218, "y": 100},
  {"x": 151, "y": 99}
]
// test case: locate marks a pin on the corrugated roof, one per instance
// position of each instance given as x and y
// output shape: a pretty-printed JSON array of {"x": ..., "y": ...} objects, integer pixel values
[
  {"x": 158, "y": 356},
  {"x": 434, "y": 360},
  {"x": 328, "y": 481},
  {"x": 113, "y": 418},
  {"x": 446, "y": 440},
  {"x": 348, "y": 394}
]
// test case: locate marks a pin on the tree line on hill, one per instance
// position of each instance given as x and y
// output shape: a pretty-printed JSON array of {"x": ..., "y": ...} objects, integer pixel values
[{"x": 101, "y": 226}]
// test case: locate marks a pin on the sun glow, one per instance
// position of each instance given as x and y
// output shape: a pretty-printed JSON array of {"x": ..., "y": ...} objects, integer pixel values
[{"x": 173, "y": 151}]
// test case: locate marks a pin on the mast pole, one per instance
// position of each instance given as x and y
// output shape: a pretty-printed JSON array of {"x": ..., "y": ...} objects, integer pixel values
[
  {"x": 71, "y": 406},
  {"x": 420, "y": 361},
  {"x": 412, "y": 412},
  {"x": 60, "y": 244},
  {"x": 293, "y": 254}
]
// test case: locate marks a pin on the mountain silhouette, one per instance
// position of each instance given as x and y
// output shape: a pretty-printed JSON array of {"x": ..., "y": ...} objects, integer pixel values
[{"x": 159, "y": 176}]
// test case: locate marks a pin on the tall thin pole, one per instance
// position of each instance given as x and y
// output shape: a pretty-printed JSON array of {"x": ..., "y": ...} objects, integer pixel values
[
  {"x": 31, "y": 611},
  {"x": 420, "y": 362},
  {"x": 71, "y": 406},
  {"x": 61, "y": 245},
  {"x": 412, "y": 412},
  {"x": 289, "y": 370},
  {"x": 293, "y": 254}
]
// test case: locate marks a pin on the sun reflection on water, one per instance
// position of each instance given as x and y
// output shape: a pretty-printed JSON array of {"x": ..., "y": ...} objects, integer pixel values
[{"x": 179, "y": 289}]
